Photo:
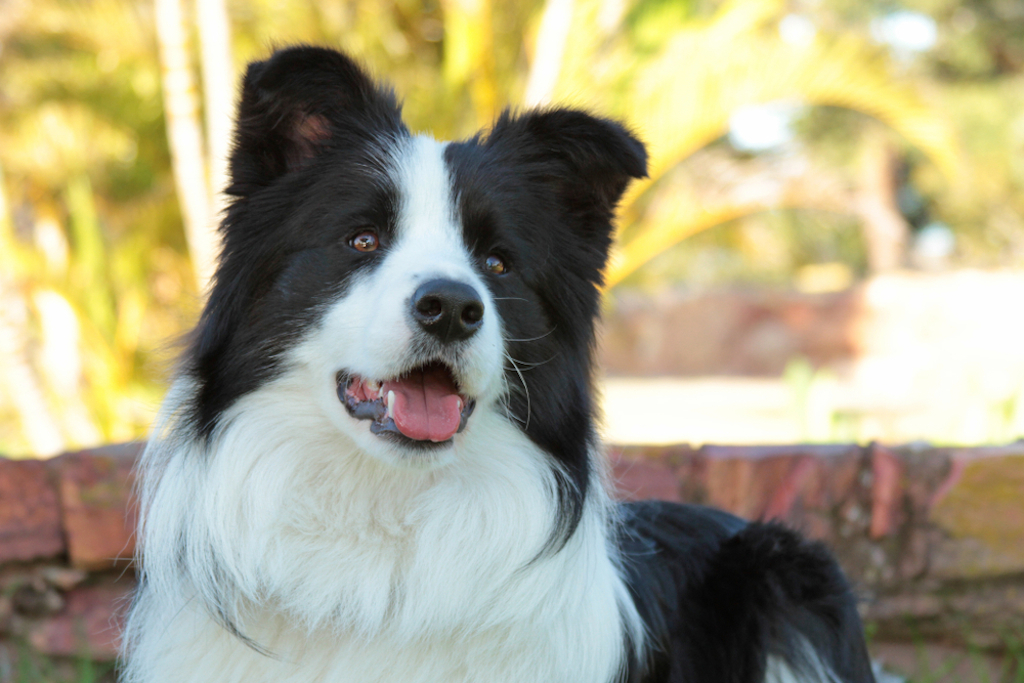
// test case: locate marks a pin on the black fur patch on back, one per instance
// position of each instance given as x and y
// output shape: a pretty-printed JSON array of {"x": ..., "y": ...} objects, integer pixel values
[{"x": 720, "y": 595}]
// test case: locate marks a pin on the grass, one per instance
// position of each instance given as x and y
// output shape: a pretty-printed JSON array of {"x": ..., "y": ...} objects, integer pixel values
[
  {"x": 31, "y": 667},
  {"x": 971, "y": 664}
]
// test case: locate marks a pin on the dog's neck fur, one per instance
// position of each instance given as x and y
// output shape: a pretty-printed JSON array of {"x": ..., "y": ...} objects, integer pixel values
[{"x": 304, "y": 542}]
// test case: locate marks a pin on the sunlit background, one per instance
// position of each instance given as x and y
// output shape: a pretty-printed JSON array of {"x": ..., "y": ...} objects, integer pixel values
[{"x": 830, "y": 246}]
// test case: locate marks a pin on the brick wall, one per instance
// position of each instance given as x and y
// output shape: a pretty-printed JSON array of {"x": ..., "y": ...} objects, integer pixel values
[
  {"x": 932, "y": 537},
  {"x": 65, "y": 546}
]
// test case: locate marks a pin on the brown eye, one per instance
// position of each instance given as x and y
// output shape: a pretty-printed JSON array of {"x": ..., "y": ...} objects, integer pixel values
[
  {"x": 364, "y": 241},
  {"x": 495, "y": 265}
]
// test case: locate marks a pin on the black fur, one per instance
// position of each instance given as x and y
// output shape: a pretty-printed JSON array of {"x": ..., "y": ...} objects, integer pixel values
[
  {"x": 540, "y": 190},
  {"x": 311, "y": 127},
  {"x": 719, "y": 595}
]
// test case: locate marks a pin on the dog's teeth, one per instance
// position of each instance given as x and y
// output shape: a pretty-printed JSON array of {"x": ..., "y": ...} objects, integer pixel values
[
  {"x": 391, "y": 405},
  {"x": 374, "y": 388},
  {"x": 460, "y": 404}
]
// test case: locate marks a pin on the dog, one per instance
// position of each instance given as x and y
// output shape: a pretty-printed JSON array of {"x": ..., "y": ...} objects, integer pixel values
[{"x": 378, "y": 460}]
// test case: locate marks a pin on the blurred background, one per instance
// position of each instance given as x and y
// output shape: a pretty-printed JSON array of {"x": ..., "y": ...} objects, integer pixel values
[
  {"x": 829, "y": 249},
  {"x": 830, "y": 246}
]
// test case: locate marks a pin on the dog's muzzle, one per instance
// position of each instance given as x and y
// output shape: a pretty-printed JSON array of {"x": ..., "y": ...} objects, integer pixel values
[{"x": 422, "y": 406}]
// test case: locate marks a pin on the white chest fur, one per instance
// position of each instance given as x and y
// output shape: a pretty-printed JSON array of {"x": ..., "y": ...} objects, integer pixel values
[{"x": 346, "y": 570}]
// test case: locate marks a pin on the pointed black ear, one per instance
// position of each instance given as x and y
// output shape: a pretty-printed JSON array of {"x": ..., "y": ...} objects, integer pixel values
[
  {"x": 299, "y": 102},
  {"x": 596, "y": 158}
]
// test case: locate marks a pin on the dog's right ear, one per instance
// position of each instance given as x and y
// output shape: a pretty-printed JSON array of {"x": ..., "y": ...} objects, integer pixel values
[{"x": 298, "y": 103}]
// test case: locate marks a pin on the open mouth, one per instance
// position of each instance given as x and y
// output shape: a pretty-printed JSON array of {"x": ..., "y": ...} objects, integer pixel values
[{"x": 422, "y": 406}]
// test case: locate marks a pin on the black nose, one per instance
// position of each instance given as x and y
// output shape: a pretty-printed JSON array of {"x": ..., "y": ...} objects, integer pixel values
[{"x": 449, "y": 310}]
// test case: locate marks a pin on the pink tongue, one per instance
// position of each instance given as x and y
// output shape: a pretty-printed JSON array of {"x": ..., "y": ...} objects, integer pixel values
[{"x": 427, "y": 405}]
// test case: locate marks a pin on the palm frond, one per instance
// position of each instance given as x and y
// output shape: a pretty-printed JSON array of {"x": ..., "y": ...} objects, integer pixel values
[{"x": 682, "y": 98}]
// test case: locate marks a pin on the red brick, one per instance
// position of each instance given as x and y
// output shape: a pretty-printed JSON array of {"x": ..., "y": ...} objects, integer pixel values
[
  {"x": 98, "y": 509},
  {"x": 680, "y": 455},
  {"x": 841, "y": 478},
  {"x": 641, "y": 479},
  {"x": 778, "y": 482},
  {"x": 90, "y": 623},
  {"x": 927, "y": 470},
  {"x": 729, "y": 483},
  {"x": 29, "y": 512},
  {"x": 886, "y": 491},
  {"x": 783, "y": 497},
  {"x": 753, "y": 484},
  {"x": 691, "y": 469}
]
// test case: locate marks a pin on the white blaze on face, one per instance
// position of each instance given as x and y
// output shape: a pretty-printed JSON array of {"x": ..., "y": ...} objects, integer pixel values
[
  {"x": 369, "y": 331},
  {"x": 428, "y": 230}
]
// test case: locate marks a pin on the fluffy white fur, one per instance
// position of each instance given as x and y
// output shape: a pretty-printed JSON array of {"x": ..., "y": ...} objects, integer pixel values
[{"x": 344, "y": 558}]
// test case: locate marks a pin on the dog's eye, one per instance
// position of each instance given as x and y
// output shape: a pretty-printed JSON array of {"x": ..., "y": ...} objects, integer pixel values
[
  {"x": 495, "y": 265},
  {"x": 365, "y": 241}
]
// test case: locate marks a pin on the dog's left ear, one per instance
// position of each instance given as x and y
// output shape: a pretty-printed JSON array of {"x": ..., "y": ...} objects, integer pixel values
[
  {"x": 591, "y": 159},
  {"x": 297, "y": 104}
]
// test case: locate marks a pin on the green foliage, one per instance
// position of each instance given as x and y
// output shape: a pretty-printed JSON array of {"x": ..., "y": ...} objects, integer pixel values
[
  {"x": 764, "y": 249},
  {"x": 735, "y": 58},
  {"x": 95, "y": 221},
  {"x": 95, "y": 226}
]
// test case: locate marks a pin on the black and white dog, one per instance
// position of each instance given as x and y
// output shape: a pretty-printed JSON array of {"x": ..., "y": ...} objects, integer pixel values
[{"x": 378, "y": 461}]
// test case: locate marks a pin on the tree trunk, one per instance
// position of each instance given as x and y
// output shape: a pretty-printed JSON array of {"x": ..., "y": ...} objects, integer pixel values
[
  {"x": 6, "y": 226},
  {"x": 19, "y": 383},
  {"x": 218, "y": 95},
  {"x": 547, "y": 56},
  {"x": 181, "y": 108},
  {"x": 886, "y": 232}
]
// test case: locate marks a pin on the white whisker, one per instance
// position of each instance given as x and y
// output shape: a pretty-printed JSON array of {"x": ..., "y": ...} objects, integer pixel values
[
  {"x": 533, "y": 338},
  {"x": 525, "y": 389},
  {"x": 526, "y": 365}
]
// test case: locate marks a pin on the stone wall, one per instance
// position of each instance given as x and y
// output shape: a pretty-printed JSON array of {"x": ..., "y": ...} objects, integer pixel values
[
  {"x": 66, "y": 542},
  {"x": 933, "y": 538}
]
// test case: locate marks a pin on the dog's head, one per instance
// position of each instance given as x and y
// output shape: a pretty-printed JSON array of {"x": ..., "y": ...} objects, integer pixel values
[{"x": 412, "y": 284}]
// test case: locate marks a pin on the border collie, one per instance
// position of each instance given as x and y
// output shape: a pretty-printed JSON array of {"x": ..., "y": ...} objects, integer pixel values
[{"x": 378, "y": 461}]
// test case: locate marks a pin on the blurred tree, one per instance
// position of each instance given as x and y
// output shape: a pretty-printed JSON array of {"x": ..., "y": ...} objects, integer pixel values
[
  {"x": 734, "y": 58},
  {"x": 555, "y": 24},
  {"x": 469, "y": 54},
  {"x": 94, "y": 252},
  {"x": 18, "y": 381},
  {"x": 886, "y": 231},
  {"x": 975, "y": 39},
  {"x": 974, "y": 71},
  {"x": 95, "y": 272},
  {"x": 218, "y": 100},
  {"x": 181, "y": 107}
]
